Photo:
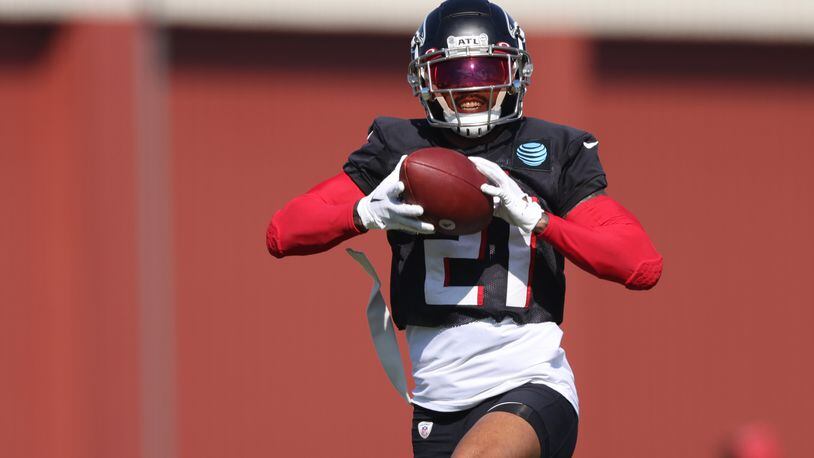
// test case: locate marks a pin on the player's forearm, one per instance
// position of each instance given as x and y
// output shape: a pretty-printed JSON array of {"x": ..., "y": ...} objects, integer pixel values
[
  {"x": 603, "y": 238},
  {"x": 316, "y": 221}
]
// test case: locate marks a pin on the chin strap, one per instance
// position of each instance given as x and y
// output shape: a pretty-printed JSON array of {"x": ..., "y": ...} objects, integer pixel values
[{"x": 382, "y": 330}]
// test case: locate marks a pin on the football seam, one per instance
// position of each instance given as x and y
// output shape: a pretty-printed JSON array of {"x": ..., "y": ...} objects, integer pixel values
[
  {"x": 407, "y": 188},
  {"x": 449, "y": 174}
]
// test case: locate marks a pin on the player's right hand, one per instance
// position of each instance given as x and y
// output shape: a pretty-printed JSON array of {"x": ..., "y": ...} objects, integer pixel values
[
  {"x": 383, "y": 208},
  {"x": 513, "y": 205}
]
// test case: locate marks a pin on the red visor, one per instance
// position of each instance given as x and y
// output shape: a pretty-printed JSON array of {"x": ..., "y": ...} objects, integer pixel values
[{"x": 470, "y": 72}]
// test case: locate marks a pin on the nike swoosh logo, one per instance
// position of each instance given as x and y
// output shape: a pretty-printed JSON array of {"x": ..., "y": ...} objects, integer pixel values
[{"x": 589, "y": 145}]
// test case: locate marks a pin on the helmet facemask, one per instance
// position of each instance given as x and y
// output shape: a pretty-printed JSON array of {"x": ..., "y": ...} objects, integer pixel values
[{"x": 471, "y": 89}]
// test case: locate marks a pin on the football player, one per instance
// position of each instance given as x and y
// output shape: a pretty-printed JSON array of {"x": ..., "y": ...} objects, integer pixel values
[{"x": 481, "y": 311}]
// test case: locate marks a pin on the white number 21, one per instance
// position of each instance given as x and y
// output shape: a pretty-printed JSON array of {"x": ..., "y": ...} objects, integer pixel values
[{"x": 438, "y": 252}]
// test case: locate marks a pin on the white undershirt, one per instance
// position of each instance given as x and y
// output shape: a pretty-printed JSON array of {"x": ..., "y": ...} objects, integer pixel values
[{"x": 456, "y": 368}]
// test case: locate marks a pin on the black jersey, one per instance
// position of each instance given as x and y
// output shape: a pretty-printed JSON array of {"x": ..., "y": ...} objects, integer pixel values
[{"x": 501, "y": 272}]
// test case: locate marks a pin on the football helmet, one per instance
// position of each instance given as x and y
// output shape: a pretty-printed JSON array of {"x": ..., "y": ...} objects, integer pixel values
[{"x": 470, "y": 68}]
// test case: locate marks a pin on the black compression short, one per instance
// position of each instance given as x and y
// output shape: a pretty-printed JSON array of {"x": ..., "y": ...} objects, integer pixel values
[{"x": 435, "y": 434}]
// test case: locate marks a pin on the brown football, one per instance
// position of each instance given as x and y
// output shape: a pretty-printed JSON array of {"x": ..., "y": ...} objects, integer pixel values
[{"x": 447, "y": 185}]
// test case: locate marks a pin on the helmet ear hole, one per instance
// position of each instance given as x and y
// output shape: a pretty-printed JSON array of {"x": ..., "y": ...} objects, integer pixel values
[{"x": 528, "y": 69}]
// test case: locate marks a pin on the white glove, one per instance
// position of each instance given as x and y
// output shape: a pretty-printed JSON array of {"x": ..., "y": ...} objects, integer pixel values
[
  {"x": 512, "y": 204},
  {"x": 383, "y": 209}
]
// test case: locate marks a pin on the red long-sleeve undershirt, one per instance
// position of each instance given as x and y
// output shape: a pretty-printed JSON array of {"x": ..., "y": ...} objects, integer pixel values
[
  {"x": 598, "y": 235},
  {"x": 316, "y": 221},
  {"x": 606, "y": 240}
]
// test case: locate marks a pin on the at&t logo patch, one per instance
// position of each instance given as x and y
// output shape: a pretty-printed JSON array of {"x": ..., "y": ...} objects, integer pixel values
[{"x": 532, "y": 154}]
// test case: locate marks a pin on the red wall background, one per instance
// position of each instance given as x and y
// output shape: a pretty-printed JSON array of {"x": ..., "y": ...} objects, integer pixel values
[
  {"x": 706, "y": 142},
  {"x": 68, "y": 295}
]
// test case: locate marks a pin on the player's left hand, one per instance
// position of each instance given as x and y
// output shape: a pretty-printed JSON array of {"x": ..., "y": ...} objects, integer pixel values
[{"x": 513, "y": 205}]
